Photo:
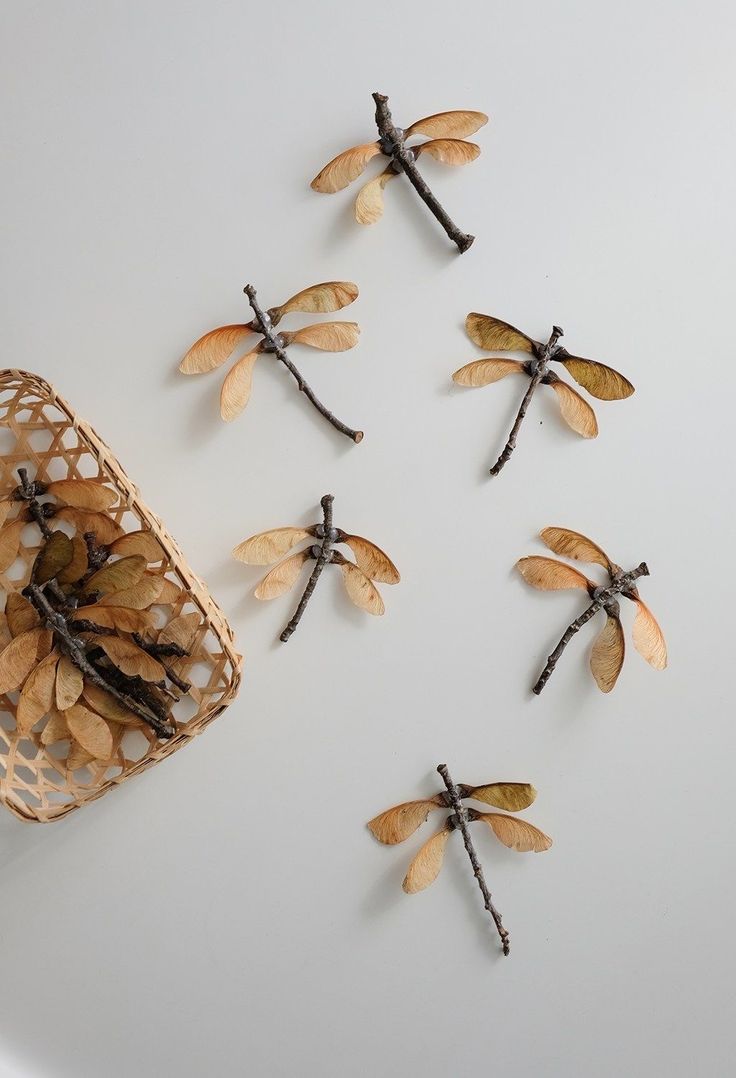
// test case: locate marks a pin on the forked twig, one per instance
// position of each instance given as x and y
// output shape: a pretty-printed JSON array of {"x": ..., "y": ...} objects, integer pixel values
[{"x": 325, "y": 555}]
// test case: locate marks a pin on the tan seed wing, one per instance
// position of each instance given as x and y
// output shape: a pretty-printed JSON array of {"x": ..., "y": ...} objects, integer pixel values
[
  {"x": 10, "y": 543},
  {"x": 369, "y": 203},
  {"x": 509, "y": 796},
  {"x": 117, "y": 617},
  {"x": 361, "y": 590},
  {"x": 78, "y": 565},
  {"x": 484, "y": 371},
  {"x": 83, "y": 494},
  {"x": 212, "y": 350},
  {"x": 181, "y": 630},
  {"x": 456, "y": 124},
  {"x": 132, "y": 660},
  {"x": 5, "y": 634},
  {"x": 117, "y": 575},
  {"x": 55, "y": 729},
  {"x": 236, "y": 388},
  {"x": 282, "y": 577},
  {"x": 516, "y": 834},
  {"x": 575, "y": 545},
  {"x": 547, "y": 574},
  {"x": 20, "y": 613},
  {"x": 142, "y": 595},
  {"x": 107, "y": 706},
  {"x": 450, "y": 151},
  {"x": 607, "y": 656},
  {"x": 170, "y": 592},
  {"x": 267, "y": 547},
  {"x": 328, "y": 336},
  {"x": 37, "y": 695},
  {"x": 344, "y": 168},
  {"x": 397, "y": 823},
  {"x": 601, "y": 381},
  {"x": 69, "y": 683},
  {"x": 19, "y": 658},
  {"x": 45, "y": 644},
  {"x": 495, "y": 335},
  {"x": 320, "y": 298},
  {"x": 105, "y": 529},
  {"x": 54, "y": 556},
  {"x": 78, "y": 757},
  {"x": 90, "y": 731},
  {"x": 5, "y": 507},
  {"x": 576, "y": 412},
  {"x": 648, "y": 638},
  {"x": 140, "y": 542},
  {"x": 371, "y": 559},
  {"x": 425, "y": 867}
]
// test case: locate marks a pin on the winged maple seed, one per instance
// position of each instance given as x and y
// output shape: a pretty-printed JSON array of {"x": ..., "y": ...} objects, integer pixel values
[
  {"x": 445, "y": 132},
  {"x": 497, "y": 336},
  {"x": 370, "y": 563},
  {"x": 81, "y": 644},
  {"x": 211, "y": 350},
  {"x": 398, "y": 823},
  {"x": 607, "y": 655}
]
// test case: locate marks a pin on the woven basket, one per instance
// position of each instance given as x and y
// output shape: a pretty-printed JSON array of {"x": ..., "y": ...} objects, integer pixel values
[{"x": 39, "y": 430}]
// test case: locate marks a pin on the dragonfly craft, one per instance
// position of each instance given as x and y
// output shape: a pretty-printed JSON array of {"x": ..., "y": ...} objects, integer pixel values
[
  {"x": 445, "y": 131},
  {"x": 496, "y": 336},
  {"x": 607, "y": 655},
  {"x": 398, "y": 823},
  {"x": 370, "y": 563},
  {"x": 211, "y": 350}
]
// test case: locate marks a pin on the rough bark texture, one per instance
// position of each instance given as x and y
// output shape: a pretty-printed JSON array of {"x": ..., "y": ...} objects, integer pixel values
[
  {"x": 620, "y": 583},
  {"x": 392, "y": 139},
  {"x": 460, "y": 821},
  {"x": 265, "y": 327},
  {"x": 325, "y": 555}
]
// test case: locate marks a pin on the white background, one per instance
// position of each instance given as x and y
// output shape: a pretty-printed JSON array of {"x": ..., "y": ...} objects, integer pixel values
[{"x": 228, "y": 913}]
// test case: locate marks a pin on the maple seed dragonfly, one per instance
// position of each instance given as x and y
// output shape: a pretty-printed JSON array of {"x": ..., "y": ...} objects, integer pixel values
[
  {"x": 496, "y": 336},
  {"x": 607, "y": 655},
  {"x": 371, "y": 564},
  {"x": 211, "y": 350},
  {"x": 445, "y": 131},
  {"x": 400, "y": 822}
]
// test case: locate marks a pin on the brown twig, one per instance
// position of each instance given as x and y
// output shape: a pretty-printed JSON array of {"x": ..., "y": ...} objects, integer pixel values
[
  {"x": 621, "y": 582},
  {"x": 275, "y": 345},
  {"x": 27, "y": 492},
  {"x": 325, "y": 554},
  {"x": 538, "y": 371},
  {"x": 460, "y": 820},
  {"x": 162, "y": 651},
  {"x": 393, "y": 145}
]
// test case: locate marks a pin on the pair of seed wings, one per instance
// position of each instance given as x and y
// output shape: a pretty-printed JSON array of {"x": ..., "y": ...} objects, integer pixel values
[
  {"x": 211, "y": 350},
  {"x": 398, "y": 823},
  {"x": 496, "y": 336},
  {"x": 608, "y": 652},
  {"x": 445, "y": 131},
  {"x": 370, "y": 564}
]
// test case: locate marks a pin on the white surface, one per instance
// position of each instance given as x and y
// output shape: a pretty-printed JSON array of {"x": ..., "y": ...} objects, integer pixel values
[{"x": 228, "y": 913}]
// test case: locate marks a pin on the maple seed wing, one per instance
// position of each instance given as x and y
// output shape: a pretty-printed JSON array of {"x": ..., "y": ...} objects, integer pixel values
[
  {"x": 68, "y": 685},
  {"x": 457, "y": 124},
  {"x": 83, "y": 494},
  {"x": 484, "y": 371},
  {"x": 372, "y": 560},
  {"x": 601, "y": 381},
  {"x": 607, "y": 656},
  {"x": 78, "y": 564},
  {"x": 575, "y": 545},
  {"x": 320, "y": 298},
  {"x": 328, "y": 336},
  {"x": 10, "y": 543},
  {"x": 547, "y": 574},
  {"x": 21, "y": 615},
  {"x": 509, "y": 796},
  {"x": 450, "y": 151},
  {"x": 212, "y": 350},
  {"x": 425, "y": 867},
  {"x": 495, "y": 335},
  {"x": 648, "y": 638},
  {"x": 282, "y": 578},
  {"x": 398, "y": 823},
  {"x": 92, "y": 732},
  {"x": 55, "y": 554},
  {"x": 117, "y": 575},
  {"x": 361, "y": 590},
  {"x": 516, "y": 834},
  {"x": 344, "y": 168},
  {"x": 37, "y": 695},
  {"x": 369, "y": 203},
  {"x": 19, "y": 657},
  {"x": 576, "y": 412},
  {"x": 267, "y": 547},
  {"x": 235, "y": 392}
]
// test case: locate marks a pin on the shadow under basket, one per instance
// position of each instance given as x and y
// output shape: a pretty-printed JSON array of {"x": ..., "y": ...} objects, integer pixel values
[{"x": 39, "y": 431}]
